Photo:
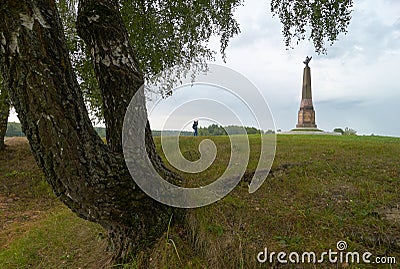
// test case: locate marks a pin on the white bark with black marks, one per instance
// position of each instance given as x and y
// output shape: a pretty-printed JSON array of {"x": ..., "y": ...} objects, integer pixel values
[{"x": 90, "y": 177}]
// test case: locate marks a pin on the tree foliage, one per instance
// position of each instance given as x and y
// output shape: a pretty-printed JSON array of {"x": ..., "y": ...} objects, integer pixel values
[
  {"x": 163, "y": 33},
  {"x": 166, "y": 33},
  {"x": 349, "y": 131},
  {"x": 80, "y": 59},
  {"x": 322, "y": 20},
  {"x": 14, "y": 129},
  {"x": 338, "y": 130},
  {"x": 215, "y": 130},
  {"x": 169, "y": 33}
]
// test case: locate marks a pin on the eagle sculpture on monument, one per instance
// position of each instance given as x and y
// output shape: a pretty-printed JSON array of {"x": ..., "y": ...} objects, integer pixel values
[{"x": 308, "y": 59}]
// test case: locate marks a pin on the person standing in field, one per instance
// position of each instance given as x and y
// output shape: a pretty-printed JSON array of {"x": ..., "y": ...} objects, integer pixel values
[{"x": 195, "y": 125}]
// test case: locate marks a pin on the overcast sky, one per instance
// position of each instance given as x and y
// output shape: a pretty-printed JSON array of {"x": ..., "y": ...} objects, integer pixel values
[{"x": 356, "y": 85}]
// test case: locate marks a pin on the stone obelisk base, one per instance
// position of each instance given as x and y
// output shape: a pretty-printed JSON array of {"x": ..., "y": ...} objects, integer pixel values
[
  {"x": 306, "y": 120},
  {"x": 306, "y": 116}
]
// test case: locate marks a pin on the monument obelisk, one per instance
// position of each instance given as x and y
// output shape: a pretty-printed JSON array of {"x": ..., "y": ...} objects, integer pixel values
[{"x": 306, "y": 115}]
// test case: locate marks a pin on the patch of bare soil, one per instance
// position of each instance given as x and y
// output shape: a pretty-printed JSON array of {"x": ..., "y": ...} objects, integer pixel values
[{"x": 392, "y": 214}]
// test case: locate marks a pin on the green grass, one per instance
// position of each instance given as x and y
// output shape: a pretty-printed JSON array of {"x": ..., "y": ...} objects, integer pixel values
[
  {"x": 60, "y": 240},
  {"x": 36, "y": 230},
  {"x": 322, "y": 189}
]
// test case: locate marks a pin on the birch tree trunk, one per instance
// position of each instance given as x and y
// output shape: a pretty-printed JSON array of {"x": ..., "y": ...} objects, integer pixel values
[
  {"x": 89, "y": 176},
  {"x": 4, "y": 112}
]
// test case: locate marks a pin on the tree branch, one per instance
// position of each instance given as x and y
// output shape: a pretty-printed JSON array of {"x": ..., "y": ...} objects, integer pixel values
[{"x": 101, "y": 27}]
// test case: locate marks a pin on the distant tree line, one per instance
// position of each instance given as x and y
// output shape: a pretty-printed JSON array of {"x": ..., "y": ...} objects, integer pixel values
[
  {"x": 14, "y": 129},
  {"x": 215, "y": 130},
  {"x": 171, "y": 133},
  {"x": 101, "y": 131},
  {"x": 346, "y": 131}
]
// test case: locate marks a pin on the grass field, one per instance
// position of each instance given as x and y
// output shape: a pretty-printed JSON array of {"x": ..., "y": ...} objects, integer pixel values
[{"x": 322, "y": 189}]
